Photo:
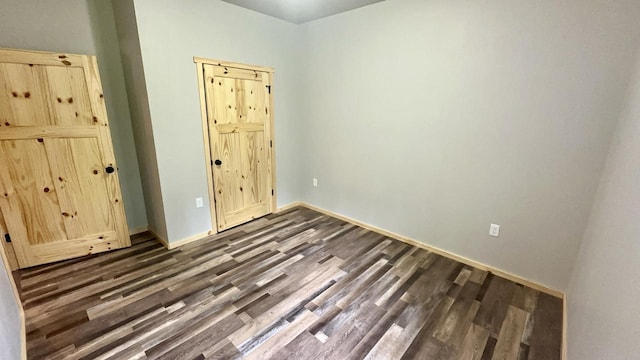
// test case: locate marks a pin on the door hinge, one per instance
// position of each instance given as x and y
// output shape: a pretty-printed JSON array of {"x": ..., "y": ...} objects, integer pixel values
[
  {"x": 273, "y": 192},
  {"x": 269, "y": 88},
  {"x": 270, "y": 143},
  {"x": 7, "y": 238},
  {"x": 211, "y": 162}
]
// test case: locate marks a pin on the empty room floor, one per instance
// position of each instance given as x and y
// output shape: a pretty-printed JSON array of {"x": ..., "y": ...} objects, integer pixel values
[{"x": 292, "y": 285}]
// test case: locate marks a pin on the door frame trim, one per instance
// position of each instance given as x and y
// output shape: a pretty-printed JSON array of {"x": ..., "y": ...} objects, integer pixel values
[{"x": 200, "y": 63}]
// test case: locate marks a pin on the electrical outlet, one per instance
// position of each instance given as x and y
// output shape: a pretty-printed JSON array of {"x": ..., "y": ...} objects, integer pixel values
[
  {"x": 494, "y": 230},
  {"x": 199, "y": 202},
  {"x": 315, "y": 182}
]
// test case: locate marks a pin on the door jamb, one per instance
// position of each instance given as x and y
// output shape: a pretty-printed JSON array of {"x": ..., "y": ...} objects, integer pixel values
[{"x": 200, "y": 62}]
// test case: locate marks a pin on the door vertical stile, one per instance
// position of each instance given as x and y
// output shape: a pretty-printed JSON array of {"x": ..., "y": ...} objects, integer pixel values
[
  {"x": 96, "y": 96},
  {"x": 12, "y": 212}
]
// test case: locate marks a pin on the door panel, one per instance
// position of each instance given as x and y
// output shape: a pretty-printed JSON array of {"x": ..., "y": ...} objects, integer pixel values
[
  {"x": 23, "y": 95},
  {"x": 239, "y": 121},
  {"x": 253, "y": 165},
  {"x": 85, "y": 204},
  {"x": 26, "y": 173},
  {"x": 229, "y": 175},
  {"x": 56, "y": 195},
  {"x": 72, "y": 105}
]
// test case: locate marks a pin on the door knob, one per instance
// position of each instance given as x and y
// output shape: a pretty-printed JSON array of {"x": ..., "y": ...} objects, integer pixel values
[
  {"x": 218, "y": 162},
  {"x": 109, "y": 169}
]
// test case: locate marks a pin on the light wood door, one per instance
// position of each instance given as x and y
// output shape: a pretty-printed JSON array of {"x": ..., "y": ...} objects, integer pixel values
[
  {"x": 59, "y": 190},
  {"x": 239, "y": 123}
]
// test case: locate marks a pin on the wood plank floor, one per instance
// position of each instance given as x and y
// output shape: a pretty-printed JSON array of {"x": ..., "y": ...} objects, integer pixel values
[{"x": 294, "y": 285}]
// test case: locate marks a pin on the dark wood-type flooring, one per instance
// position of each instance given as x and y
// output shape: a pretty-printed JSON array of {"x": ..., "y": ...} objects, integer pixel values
[{"x": 294, "y": 285}]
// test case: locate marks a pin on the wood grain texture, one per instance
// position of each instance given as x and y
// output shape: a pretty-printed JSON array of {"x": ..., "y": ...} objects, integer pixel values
[
  {"x": 293, "y": 285},
  {"x": 206, "y": 140},
  {"x": 56, "y": 197},
  {"x": 40, "y": 57},
  {"x": 12, "y": 261},
  {"x": 239, "y": 125},
  {"x": 270, "y": 131}
]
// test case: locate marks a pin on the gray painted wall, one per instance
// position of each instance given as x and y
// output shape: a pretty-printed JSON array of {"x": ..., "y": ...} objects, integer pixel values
[
  {"x": 604, "y": 322},
  {"x": 434, "y": 119},
  {"x": 473, "y": 113},
  {"x": 10, "y": 326},
  {"x": 171, "y": 33},
  {"x": 83, "y": 27},
  {"x": 129, "y": 41}
]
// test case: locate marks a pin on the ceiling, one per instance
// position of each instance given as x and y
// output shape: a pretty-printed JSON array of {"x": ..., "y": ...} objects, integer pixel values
[{"x": 301, "y": 11}]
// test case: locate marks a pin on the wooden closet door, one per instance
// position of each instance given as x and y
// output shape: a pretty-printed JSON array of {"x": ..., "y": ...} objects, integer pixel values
[
  {"x": 238, "y": 105},
  {"x": 59, "y": 190}
]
